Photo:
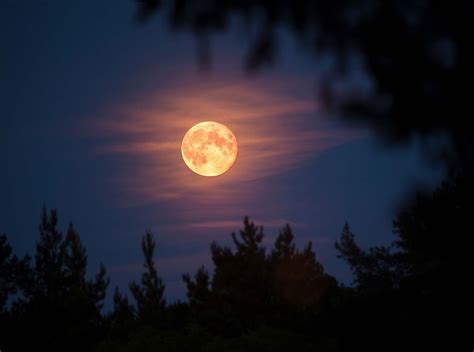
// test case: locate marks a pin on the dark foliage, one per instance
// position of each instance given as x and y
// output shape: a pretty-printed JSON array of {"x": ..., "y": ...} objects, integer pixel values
[
  {"x": 251, "y": 287},
  {"x": 54, "y": 302},
  {"x": 149, "y": 295},
  {"x": 12, "y": 272},
  {"x": 417, "y": 53},
  {"x": 255, "y": 299},
  {"x": 413, "y": 284}
]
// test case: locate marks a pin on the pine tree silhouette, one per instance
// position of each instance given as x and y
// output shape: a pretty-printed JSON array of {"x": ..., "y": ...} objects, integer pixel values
[
  {"x": 298, "y": 277},
  {"x": 148, "y": 294},
  {"x": 13, "y": 272},
  {"x": 58, "y": 303},
  {"x": 198, "y": 290}
]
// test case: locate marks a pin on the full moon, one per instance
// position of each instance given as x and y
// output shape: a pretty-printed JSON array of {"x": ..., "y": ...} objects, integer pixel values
[{"x": 209, "y": 148}]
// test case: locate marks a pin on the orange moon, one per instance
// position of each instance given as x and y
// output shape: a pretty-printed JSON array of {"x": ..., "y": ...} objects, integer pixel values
[{"x": 209, "y": 148}]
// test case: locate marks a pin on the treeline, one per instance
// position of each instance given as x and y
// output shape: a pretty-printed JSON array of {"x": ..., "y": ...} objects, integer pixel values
[{"x": 255, "y": 299}]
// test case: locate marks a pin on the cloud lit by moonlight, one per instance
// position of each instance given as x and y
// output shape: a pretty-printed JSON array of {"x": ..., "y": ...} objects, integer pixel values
[{"x": 277, "y": 130}]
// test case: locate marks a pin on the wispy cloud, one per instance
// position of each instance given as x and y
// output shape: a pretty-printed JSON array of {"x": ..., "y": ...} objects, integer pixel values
[
  {"x": 171, "y": 266},
  {"x": 276, "y": 130},
  {"x": 235, "y": 224}
]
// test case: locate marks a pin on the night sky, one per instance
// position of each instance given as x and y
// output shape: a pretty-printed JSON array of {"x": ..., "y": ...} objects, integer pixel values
[{"x": 93, "y": 110}]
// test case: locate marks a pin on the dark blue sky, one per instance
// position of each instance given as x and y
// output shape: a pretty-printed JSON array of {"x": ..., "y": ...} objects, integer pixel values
[{"x": 93, "y": 106}]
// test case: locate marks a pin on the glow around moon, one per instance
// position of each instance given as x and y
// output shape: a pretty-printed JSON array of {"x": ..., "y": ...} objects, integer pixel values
[{"x": 209, "y": 148}]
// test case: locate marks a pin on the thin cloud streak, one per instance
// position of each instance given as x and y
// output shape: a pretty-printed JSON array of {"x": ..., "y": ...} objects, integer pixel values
[
  {"x": 172, "y": 266},
  {"x": 235, "y": 224}
]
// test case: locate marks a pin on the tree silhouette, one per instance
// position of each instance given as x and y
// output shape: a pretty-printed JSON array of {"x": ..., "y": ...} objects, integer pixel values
[
  {"x": 123, "y": 311},
  {"x": 250, "y": 287},
  {"x": 149, "y": 294},
  {"x": 239, "y": 282},
  {"x": 75, "y": 259},
  {"x": 284, "y": 245},
  {"x": 7, "y": 263},
  {"x": 421, "y": 255},
  {"x": 412, "y": 281},
  {"x": 300, "y": 279},
  {"x": 58, "y": 303},
  {"x": 49, "y": 260},
  {"x": 12, "y": 272},
  {"x": 380, "y": 269},
  {"x": 121, "y": 322},
  {"x": 198, "y": 290},
  {"x": 254, "y": 300}
]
